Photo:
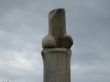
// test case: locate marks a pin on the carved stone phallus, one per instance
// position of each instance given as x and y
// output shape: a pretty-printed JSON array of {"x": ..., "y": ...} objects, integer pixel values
[{"x": 57, "y": 37}]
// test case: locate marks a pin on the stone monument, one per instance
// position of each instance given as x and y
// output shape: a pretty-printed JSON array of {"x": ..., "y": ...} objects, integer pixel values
[{"x": 56, "y": 51}]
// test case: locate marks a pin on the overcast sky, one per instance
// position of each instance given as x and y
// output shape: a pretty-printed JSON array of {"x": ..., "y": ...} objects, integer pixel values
[{"x": 23, "y": 24}]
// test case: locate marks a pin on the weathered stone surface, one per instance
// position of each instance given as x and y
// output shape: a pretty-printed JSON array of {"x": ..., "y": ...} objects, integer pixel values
[
  {"x": 56, "y": 64},
  {"x": 56, "y": 49},
  {"x": 49, "y": 41},
  {"x": 57, "y": 31}
]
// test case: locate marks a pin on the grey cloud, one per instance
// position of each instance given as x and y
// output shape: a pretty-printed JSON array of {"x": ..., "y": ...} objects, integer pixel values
[
  {"x": 23, "y": 24},
  {"x": 91, "y": 30},
  {"x": 92, "y": 72}
]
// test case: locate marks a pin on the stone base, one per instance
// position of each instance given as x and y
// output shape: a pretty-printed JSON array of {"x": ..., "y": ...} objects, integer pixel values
[{"x": 56, "y": 64}]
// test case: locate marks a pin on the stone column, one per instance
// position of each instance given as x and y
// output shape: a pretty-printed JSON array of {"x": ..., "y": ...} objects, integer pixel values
[{"x": 56, "y": 51}]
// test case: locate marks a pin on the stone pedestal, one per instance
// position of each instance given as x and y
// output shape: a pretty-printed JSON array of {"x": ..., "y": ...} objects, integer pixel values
[{"x": 56, "y": 64}]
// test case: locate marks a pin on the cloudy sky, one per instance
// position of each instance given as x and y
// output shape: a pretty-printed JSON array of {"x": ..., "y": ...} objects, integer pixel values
[{"x": 23, "y": 24}]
